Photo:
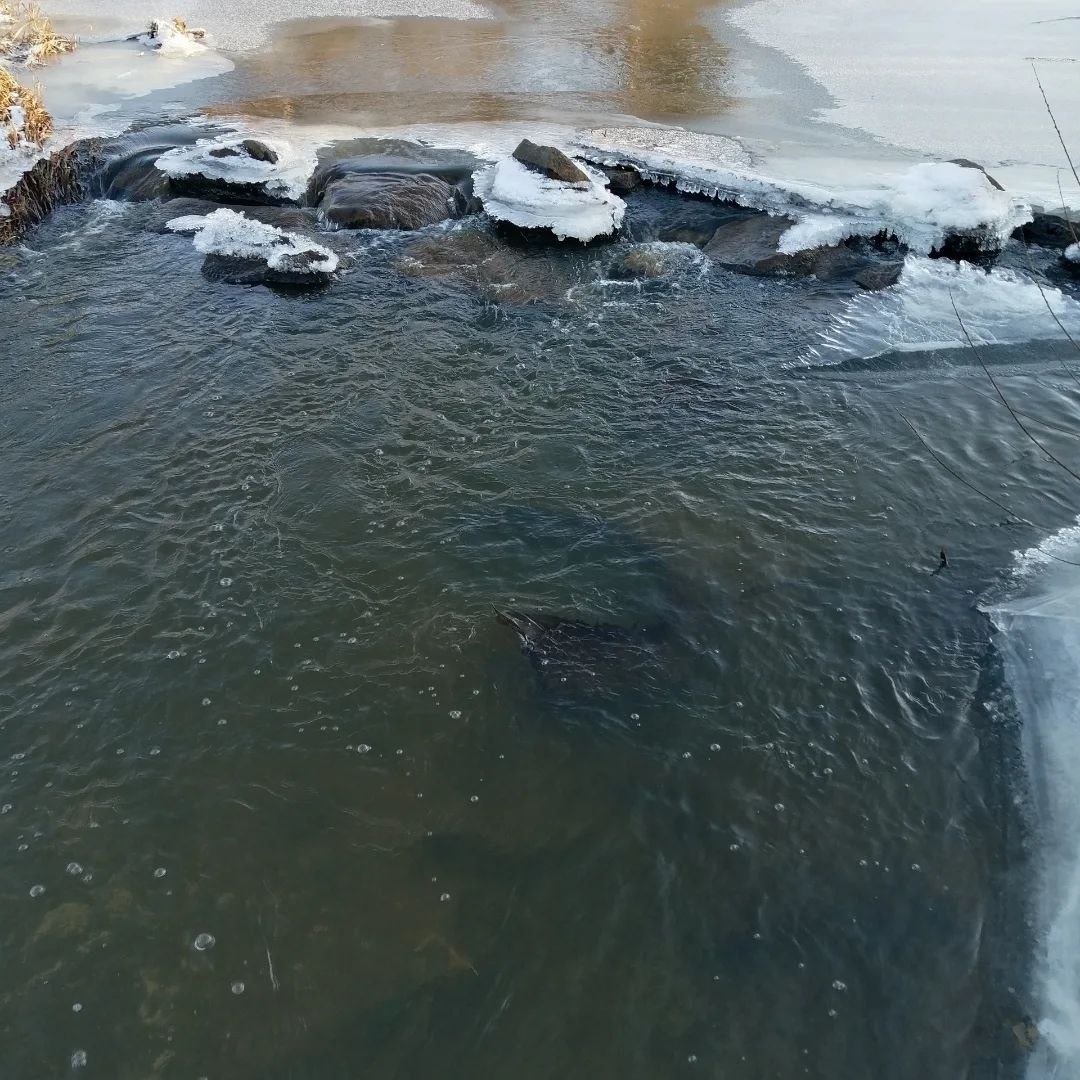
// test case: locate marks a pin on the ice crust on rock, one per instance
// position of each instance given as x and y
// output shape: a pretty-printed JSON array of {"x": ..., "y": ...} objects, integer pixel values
[
  {"x": 921, "y": 206},
  {"x": 583, "y": 211},
  {"x": 227, "y": 232},
  {"x": 1072, "y": 253},
  {"x": 285, "y": 179}
]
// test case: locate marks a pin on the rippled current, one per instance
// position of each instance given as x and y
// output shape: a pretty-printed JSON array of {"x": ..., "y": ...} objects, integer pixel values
[{"x": 282, "y": 798}]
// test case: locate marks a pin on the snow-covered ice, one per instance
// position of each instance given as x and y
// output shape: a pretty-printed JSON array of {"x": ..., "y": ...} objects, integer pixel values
[
  {"x": 245, "y": 24},
  {"x": 511, "y": 192},
  {"x": 944, "y": 79},
  {"x": 921, "y": 206},
  {"x": 227, "y": 232},
  {"x": 287, "y": 178}
]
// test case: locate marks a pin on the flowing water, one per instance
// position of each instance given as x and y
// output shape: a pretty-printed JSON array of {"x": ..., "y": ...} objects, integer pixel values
[{"x": 282, "y": 796}]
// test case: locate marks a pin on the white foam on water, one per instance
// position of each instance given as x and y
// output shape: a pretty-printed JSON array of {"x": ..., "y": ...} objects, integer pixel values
[
  {"x": 916, "y": 314},
  {"x": 226, "y": 232},
  {"x": 1039, "y": 640},
  {"x": 511, "y": 192}
]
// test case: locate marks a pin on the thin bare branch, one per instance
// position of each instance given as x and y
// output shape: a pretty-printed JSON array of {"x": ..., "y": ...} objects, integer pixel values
[
  {"x": 1004, "y": 400},
  {"x": 1053, "y": 120},
  {"x": 952, "y": 472}
]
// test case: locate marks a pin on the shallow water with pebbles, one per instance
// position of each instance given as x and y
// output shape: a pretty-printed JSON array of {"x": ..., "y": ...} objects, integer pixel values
[{"x": 283, "y": 798}]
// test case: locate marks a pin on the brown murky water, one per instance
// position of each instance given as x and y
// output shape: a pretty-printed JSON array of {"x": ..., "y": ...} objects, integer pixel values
[{"x": 656, "y": 60}]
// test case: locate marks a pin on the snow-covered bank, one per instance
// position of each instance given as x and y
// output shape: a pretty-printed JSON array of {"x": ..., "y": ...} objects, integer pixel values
[
  {"x": 916, "y": 314},
  {"x": 1039, "y": 639}
]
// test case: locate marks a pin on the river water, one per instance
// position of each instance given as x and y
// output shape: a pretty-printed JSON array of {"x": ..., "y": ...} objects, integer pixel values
[{"x": 283, "y": 798}]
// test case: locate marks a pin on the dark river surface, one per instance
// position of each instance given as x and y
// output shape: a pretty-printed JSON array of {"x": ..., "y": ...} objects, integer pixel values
[{"x": 282, "y": 797}]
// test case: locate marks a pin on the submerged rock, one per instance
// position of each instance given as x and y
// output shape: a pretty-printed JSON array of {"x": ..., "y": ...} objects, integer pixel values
[
  {"x": 392, "y": 184},
  {"x": 387, "y": 201},
  {"x": 503, "y": 274},
  {"x": 873, "y": 278},
  {"x": 750, "y": 245},
  {"x": 549, "y": 161},
  {"x": 653, "y": 260}
]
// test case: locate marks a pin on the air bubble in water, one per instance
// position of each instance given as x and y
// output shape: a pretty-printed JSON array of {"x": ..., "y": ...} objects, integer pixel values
[
  {"x": 445, "y": 896},
  {"x": 237, "y": 987},
  {"x": 36, "y": 890},
  {"x": 76, "y": 1008},
  {"x": 160, "y": 872},
  {"x": 838, "y": 985},
  {"x": 78, "y": 1059},
  {"x": 363, "y": 748},
  {"x": 74, "y": 869},
  {"x": 225, "y": 582},
  {"x": 455, "y": 714},
  {"x": 203, "y": 942}
]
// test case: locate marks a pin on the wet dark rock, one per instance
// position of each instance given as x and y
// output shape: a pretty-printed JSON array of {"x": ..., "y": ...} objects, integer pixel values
[
  {"x": 259, "y": 151},
  {"x": 1056, "y": 229},
  {"x": 296, "y": 273},
  {"x": 878, "y": 276},
  {"x": 550, "y": 162},
  {"x": 390, "y": 201},
  {"x": 622, "y": 179},
  {"x": 198, "y": 186},
  {"x": 225, "y": 152},
  {"x": 749, "y": 245},
  {"x": 967, "y": 163},
  {"x": 978, "y": 247}
]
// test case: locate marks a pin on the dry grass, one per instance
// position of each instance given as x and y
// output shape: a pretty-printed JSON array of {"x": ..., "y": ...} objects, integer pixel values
[
  {"x": 27, "y": 34},
  {"x": 52, "y": 182},
  {"x": 35, "y": 124}
]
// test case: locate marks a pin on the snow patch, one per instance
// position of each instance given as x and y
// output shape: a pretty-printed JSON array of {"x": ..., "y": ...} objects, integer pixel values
[
  {"x": 916, "y": 314},
  {"x": 921, "y": 206},
  {"x": 287, "y": 178},
  {"x": 511, "y": 192},
  {"x": 171, "y": 38},
  {"x": 226, "y": 232}
]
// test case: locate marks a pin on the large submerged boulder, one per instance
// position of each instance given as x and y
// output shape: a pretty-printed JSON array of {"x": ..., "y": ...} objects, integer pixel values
[
  {"x": 387, "y": 201},
  {"x": 1050, "y": 229},
  {"x": 392, "y": 184},
  {"x": 128, "y": 164}
]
